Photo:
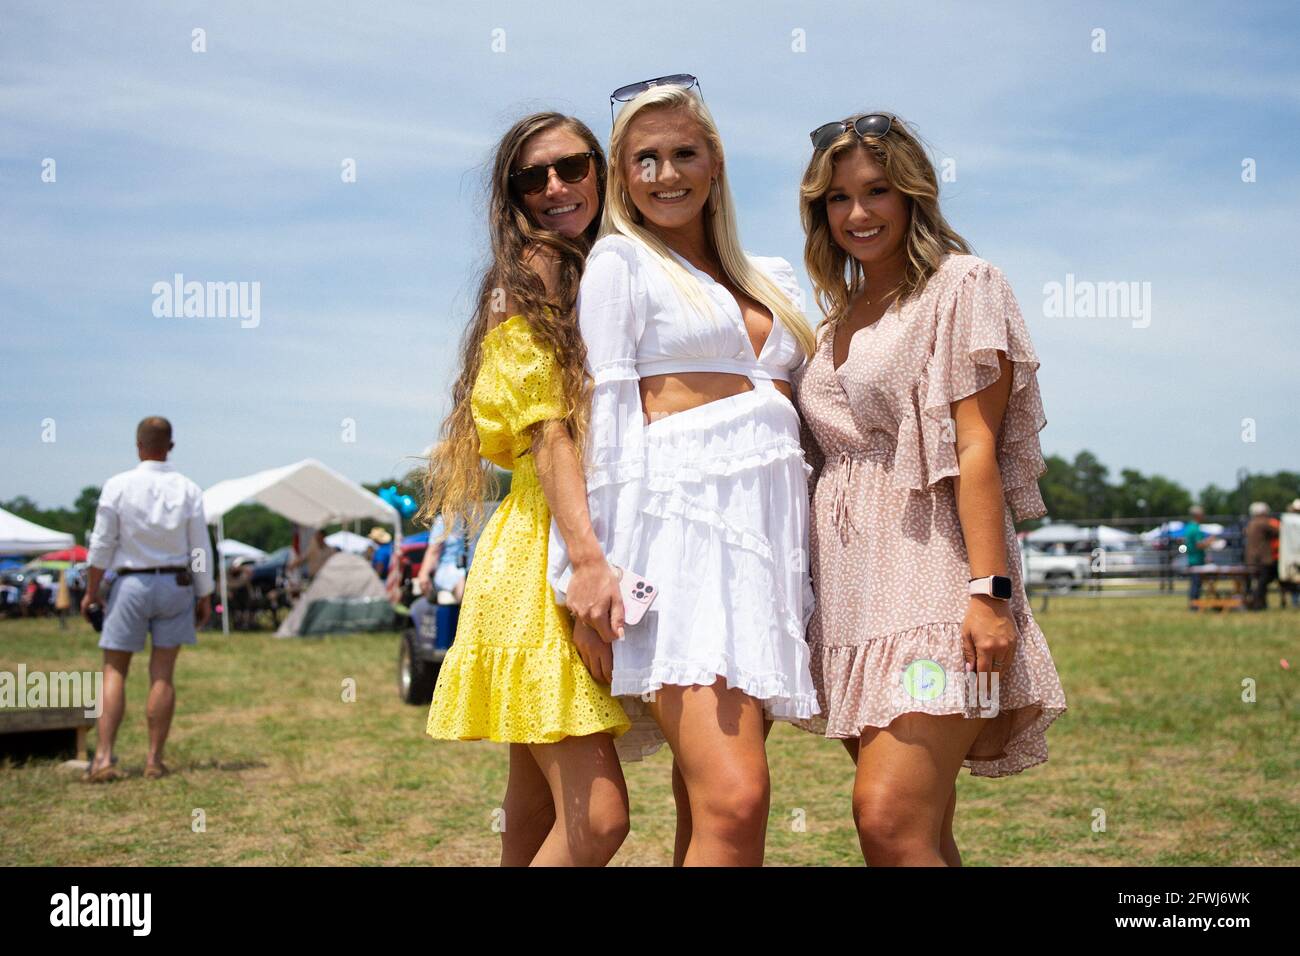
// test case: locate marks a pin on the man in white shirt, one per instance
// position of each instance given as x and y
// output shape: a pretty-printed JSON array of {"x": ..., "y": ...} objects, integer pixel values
[{"x": 150, "y": 529}]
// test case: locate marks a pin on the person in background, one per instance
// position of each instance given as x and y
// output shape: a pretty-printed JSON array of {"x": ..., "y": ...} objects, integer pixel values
[
  {"x": 239, "y": 587},
  {"x": 379, "y": 553},
  {"x": 443, "y": 569},
  {"x": 63, "y": 600},
  {"x": 1261, "y": 532},
  {"x": 150, "y": 530},
  {"x": 1196, "y": 541},
  {"x": 317, "y": 553},
  {"x": 1275, "y": 551},
  {"x": 445, "y": 553},
  {"x": 1288, "y": 587}
]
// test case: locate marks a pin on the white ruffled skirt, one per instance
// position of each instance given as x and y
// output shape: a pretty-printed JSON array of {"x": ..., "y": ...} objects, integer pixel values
[{"x": 724, "y": 538}]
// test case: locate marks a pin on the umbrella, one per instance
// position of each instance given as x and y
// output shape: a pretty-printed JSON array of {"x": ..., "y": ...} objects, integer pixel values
[
  {"x": 75, "y": 553},
  {"x": 39, "y": 565}
]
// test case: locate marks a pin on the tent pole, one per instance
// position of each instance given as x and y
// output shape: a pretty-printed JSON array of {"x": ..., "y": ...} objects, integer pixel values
[{"x": 225, "y": 602}]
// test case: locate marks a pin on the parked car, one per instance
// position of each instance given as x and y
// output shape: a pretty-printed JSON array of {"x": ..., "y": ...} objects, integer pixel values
[{"x": 1055, "y": 569}]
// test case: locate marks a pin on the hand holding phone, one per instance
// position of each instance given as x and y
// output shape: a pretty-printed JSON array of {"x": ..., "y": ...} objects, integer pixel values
[
  {"x": 638, "y": 594},
  {"x": 635, "y": 595}
]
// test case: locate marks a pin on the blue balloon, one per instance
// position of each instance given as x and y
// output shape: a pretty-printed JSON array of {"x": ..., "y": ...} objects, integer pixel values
[{"x": 408, "y": 506}]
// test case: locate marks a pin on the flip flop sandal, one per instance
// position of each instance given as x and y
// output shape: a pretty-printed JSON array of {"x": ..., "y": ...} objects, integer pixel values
[
  {"x": 156, "y": 772},
  {"x": 103, "y": 775}
]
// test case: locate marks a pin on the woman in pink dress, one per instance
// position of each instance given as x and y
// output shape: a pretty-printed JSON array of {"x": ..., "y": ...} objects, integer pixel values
[{"x": 921, "y": 412}]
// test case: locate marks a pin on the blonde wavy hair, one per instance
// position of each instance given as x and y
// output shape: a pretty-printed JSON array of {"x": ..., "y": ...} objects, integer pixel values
[
  {"x": 456, "y": 482},
  {"x": 622, "y": 218},
  {"x": 836, "y": 276}
]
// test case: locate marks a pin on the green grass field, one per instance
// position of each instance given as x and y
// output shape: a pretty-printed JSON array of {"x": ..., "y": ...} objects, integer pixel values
[{"x": 1156, "y": 736}]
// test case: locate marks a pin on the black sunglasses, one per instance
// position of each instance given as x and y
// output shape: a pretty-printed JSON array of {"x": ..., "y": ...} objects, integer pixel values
[
  {"x": 572, "y": 169},
  {"x": 625, "y": 93},
  {"x": 872, "y": 124}
]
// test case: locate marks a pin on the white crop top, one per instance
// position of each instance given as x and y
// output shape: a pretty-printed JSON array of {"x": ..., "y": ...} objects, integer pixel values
[
  {"x": 628, "y": 308},
  {"x": 635, "y": 324}
]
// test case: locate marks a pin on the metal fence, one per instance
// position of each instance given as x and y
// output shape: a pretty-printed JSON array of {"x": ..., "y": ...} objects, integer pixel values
[{"x": 1102, "y": 564}]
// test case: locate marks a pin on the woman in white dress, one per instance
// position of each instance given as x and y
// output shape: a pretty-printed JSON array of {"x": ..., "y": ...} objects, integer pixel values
[{"x": 695, "y": 474}]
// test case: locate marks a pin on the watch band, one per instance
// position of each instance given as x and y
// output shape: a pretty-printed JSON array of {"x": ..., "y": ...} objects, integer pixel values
[{"x": 993, "y": 585}]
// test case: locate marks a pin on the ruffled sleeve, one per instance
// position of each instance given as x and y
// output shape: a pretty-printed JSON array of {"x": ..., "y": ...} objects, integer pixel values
[
  {"x": 518, "y": 385},
  {"x": 783, "y": 275},
  {"x": 611, "y": 316},
  {"x": 976, "y": 322}
]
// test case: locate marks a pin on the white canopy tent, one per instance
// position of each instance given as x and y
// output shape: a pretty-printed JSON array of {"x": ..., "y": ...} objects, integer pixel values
[
  {"x": 1057, "y": 533},
  {"x": 20, "y": 536},
  {"x": 307, "y": 493},
  {"x": 230, "y": 548}
]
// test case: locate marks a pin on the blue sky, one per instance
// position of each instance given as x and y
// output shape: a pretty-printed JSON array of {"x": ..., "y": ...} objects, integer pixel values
[{"x": 1122, "y": 166}]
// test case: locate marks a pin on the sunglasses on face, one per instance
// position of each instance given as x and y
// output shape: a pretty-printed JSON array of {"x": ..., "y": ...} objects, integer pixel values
[
  {"x": 572, "y": 169},
  {"x": 626, "y": 93},
  {"x": 873, "y": 124}
]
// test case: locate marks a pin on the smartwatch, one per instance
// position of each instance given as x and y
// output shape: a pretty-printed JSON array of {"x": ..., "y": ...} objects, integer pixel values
[{"x": 995, "y": 585}]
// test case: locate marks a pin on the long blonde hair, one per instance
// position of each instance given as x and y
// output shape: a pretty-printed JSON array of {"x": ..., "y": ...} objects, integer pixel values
[
  {"x": 622, "y": 218},
  {"x": 836, "y": 276},
  {"x": 456, "y": 480}
]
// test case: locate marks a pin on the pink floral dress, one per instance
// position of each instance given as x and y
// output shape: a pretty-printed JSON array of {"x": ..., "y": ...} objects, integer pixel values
[{"x": 888, "y": 558}]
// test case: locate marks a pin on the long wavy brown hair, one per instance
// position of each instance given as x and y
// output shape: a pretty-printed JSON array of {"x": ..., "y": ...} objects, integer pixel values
[
  {"x": 836, "y": 276},
  {"x": 456, "y": 481}
]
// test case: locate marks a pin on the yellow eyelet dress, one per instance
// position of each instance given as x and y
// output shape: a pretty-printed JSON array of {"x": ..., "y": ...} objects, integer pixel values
[{"x": 513, "y": 674}]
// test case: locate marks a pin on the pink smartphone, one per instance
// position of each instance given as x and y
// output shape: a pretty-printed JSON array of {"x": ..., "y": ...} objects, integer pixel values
[{"x": 638, "y": 595}]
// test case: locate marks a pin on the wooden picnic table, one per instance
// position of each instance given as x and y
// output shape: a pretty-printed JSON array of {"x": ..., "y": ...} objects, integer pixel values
[
  {"x": 53, "y": 720},
  {"x": 1235, "y": 576}
]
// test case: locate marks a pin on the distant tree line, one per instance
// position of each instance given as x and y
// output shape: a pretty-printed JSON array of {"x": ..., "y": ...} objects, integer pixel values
[{"x": 1082, "y": 490}]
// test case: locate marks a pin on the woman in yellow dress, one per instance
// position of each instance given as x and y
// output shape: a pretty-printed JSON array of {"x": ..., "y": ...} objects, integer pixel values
[{"x": 517, "y": 671}]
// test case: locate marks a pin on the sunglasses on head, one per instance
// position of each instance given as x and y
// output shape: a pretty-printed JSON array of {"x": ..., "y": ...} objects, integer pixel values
[
  {"x": 572, "y": 169},
  {"x": 625, "y": 93},
  {"x": 872, "y": 124}
]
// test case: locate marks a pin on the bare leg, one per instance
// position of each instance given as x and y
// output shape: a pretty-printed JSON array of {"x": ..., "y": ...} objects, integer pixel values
[
  {"x": 683, "y": 801},
  {"x": 716, "y": 735},
  {"x": 116, "y": 666},
  {"x": 162, "y": 700},
  {"x": 590, "y": 799},
  {"x": 528, "y": 807},
  {"x": 904, "y": 787},
  {"x": 947, "y": 842}
]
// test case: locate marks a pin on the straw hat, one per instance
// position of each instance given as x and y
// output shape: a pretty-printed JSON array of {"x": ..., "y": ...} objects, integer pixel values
[{"x": 380, "y": 535}]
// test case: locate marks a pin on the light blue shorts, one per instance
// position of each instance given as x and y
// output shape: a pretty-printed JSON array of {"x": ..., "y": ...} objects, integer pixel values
[
  {"x": 447, "y": 576},
  {"x": 152, "y": 603}
]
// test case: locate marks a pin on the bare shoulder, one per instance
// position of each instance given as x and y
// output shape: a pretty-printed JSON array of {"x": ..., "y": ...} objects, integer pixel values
[
  {"x": 541, "y": 260},
  {"x": 545, "y": 262}
]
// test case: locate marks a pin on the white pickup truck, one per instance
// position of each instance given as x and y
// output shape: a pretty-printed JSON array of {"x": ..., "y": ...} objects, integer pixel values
[{"x": 1058, "y": 572}]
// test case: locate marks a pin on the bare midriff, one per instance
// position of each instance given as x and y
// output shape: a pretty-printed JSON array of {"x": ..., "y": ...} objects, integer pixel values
[{"x": 679, "y": 391}]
